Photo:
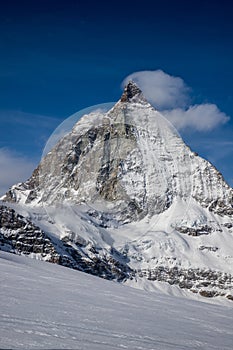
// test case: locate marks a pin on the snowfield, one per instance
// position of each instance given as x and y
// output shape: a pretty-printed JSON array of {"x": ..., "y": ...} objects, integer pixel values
[{"x": 46, "y": 306}]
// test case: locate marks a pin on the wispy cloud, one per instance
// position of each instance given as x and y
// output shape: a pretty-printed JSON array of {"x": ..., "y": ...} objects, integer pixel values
[
  {"x": 171, "y": 96},
  {"x": 28, "y": 119},
  {"x": 28, "y": 131},
  {"x": 13, "y": 169}
]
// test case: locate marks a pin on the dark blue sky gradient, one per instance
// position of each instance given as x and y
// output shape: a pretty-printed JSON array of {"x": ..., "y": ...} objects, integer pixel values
[{"x": 58, "y": 57}]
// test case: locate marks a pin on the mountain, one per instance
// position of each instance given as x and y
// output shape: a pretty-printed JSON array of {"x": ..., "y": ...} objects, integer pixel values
[{"x": 123, "y": 197}]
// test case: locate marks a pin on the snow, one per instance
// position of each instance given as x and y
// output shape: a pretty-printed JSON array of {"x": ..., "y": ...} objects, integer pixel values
[
  {"x": 150, "y": 242},
  {"x": 46, "y": 306}
]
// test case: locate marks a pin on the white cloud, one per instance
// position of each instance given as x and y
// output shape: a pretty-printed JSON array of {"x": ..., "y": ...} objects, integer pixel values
[
  {"x": 171, "y": 96},
  {"x": 203, "y": 117},
  {"x": 28, "y": 119},
  {"x": 164, "y": 91},
  {"x": 14, "y": 168}
]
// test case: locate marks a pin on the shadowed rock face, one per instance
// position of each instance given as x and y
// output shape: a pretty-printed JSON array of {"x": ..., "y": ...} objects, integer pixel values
[{"x": 19, "y": 235}]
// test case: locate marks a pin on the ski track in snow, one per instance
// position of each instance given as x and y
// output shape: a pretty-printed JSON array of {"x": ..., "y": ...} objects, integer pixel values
[{"x": 45, "y": 306}]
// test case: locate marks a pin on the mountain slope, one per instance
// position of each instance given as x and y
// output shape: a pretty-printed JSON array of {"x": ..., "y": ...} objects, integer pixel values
[
  {"x": 44, "y": 306},
  {"x": 19, "y": 235},
  {"x": 123, "y": 186}
]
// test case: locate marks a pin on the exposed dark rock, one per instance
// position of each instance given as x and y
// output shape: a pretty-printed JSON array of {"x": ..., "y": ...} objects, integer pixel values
[
  {"x": 228, "y": 225},
  {"x": 195, "y": 231},
  {"x": 130, "y": 91},
  {"x": 219, "y": 207},
  {"x": 193, "y": 279},
  {"x": 210, "y": 249},
  {"x": 20, "y": 236},
  {"x": 208, "y": 293}
]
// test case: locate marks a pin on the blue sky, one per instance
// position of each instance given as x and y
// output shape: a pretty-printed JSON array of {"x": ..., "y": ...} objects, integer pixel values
[{"x": 58, "y": 57}]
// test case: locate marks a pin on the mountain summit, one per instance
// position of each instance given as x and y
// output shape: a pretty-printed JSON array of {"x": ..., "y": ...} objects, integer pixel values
[
  {"x": 131, "y": 201},
  {"x": 131, "y": 91}
]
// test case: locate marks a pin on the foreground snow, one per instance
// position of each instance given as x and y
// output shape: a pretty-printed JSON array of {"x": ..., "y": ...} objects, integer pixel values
[{"x": 47, "y": 306}]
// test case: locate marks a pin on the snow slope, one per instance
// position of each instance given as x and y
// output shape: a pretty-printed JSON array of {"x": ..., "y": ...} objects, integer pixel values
[{"x": 46, "y": 306}]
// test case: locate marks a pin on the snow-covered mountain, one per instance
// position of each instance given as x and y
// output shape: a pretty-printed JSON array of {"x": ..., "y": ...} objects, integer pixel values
[{"x": 123, "y": 192}]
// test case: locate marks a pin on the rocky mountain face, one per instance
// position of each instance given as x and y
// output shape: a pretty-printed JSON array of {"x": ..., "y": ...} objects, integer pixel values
[
  {"x": 125, "y": 193},
  {"x": 19, "y": 235}
]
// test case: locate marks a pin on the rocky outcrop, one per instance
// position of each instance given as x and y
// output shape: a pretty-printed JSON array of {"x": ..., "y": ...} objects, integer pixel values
[
  {"x": 19, "y": 235},
  {"x": 206, "y": 282},
  {"x": 132, "y": 92},
  {"x": 195, "y": 231}
]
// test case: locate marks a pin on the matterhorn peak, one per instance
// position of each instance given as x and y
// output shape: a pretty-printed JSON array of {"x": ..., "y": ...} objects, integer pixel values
[
  {"x": 132, "y": 92},
  {"x": 122, "y": 196}
]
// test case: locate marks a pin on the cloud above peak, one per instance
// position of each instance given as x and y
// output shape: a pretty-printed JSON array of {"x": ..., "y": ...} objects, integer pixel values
[
  {"x": 162, "y": 90},
  {"x": 171, "y": 96},
  {"x": 203, "y": 117}
]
